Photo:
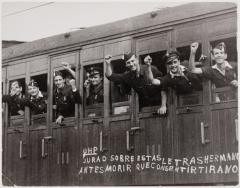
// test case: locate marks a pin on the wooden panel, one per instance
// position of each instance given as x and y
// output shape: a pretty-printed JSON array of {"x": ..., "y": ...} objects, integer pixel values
[
  {"x": 16, "y": 70},
  {"x": 38, "y": 65},
  {"x": 221, "y": 27},
  {"x": 153, "y": 43},
  {"x": 55, "y": 158},
  {"x": 90, "y": 140},
  {"x": 38, "y": 166},
  {"x": 155, "y": 140},
  {"x": 187, "y": 132},
  {"x": 225, "y": 140},
  {"x": 70, "y": 149},
  {"x": 118, "y": 48},
  {"x": 188, "y": 33},
  {"x": 92, "y": 53},
  {"x": 71, "y": 58},
  {"x": 16, "y": 168},
  {"x": 118, "y": 147}
]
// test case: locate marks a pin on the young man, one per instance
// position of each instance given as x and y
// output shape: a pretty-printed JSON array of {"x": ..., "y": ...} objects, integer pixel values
[
  {"x": 15, "y": 99},
  {"x": 136, "y": 78},
  {"x": 94, "y": 86},
  {"x": 37, "y": 100},
  {"x": 178, "y": 78},
  {"x": 65, "y": 97},
  {"x": 221, "y": 74}
]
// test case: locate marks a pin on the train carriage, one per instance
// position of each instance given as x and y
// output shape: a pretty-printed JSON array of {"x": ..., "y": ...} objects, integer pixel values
[{"x": 198, "y": 132}]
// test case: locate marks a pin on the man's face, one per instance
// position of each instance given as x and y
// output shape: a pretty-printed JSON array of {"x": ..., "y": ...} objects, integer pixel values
[
  {"x": 219, "y": 56},
  {"x": 174, "y": 65},
  {"x": 59, "y": 81},
  {"x": 96, "y": 79},
  {"x": 132, "y": 63},
  {"x": 33, "y": 90},
  {"x": 16, "y": 89}
]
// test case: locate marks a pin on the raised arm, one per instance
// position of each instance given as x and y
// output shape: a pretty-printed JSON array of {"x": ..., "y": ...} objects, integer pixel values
[
  {"x": 108, "y": 59},
  {"x": 148, "y": 61},
  {"x": 67, "y": 67},
  {"x": 192, "y": 66}
]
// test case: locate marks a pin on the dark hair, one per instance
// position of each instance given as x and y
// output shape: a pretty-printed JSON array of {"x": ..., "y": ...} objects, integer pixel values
[
  {"x": 57, "y": 73},
  {"x": 33, "y": 83},
  {"x": 16, "y": 81},
  {"x": 220, "y": 46}
]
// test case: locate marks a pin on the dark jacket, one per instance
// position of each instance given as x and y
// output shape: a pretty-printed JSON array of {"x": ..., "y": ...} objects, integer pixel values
[
  {"x": 65, "y": 100},
  {"x": 15, "y": 104},
  {"x": 37, "y": 105},
  {"x": 95, "y": 95}
]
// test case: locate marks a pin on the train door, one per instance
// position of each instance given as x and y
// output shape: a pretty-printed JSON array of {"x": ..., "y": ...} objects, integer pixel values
[
  {"x": 191, "y": 131},
  {"x": 120, "y": 116},
  {"x": 224, "y": 116},
  {"x": 62, "y": 140},
  {"x": 15, "y": 147},
  {"x": 93, "y": 130},
  {"x": 153, "y": 133},
  {"x": 38, "y": 126}
]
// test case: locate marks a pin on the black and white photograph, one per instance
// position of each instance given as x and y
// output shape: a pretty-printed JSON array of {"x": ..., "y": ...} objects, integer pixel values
[{"x": 119, "y": 93}]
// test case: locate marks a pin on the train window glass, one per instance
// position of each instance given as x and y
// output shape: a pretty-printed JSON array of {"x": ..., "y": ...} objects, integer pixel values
[
  {"x": 226, "y": 92},
  {"x": 93, "y": 90},
  {"x": 37, "y": 94},
  {"x": 120, "y": 95},
  {"x": 64, "y": 109},
  {"x": 154, "y": 95}
]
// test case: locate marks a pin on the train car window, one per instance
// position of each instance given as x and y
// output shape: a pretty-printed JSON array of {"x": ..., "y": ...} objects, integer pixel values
[
  {"x": 185, "y": 54},
  {"x": 194, "y": 98},
  {"x": 226, "y": 92},
  {"x": 154, "y": 98},
  {"x": 59, "y": 95},
  {"x": 93, "y": 90},
  {"x": 15, "y": 99},
  {"x": 120, "y": 95},
  {"x": 37, "y": 94}
]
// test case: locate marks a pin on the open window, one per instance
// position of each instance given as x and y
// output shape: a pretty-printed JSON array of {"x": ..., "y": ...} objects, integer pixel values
[
  {"x": 93, "y": 90},
  {"x": 67, "y": 76},
  {"x": 120, "y": 93},
  {"x": 39, "y": 100},
  {"x": 153, "y": 91},
  {"x": 194, "y": 98},
  {"x": 16, "y": 109},
  {"x": 221, "y": 94}
]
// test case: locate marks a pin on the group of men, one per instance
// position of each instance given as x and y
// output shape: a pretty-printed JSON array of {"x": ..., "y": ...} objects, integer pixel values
[{"x": 150, "y": 84}]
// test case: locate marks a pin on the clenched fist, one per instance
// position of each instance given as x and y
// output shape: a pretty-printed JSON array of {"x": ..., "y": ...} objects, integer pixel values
[
  {"x": 72, "y": 82},
  {"x": 108, "y": 59},
  {"x": 148, "y": 60},
  {"x": 194, "y": 47}
]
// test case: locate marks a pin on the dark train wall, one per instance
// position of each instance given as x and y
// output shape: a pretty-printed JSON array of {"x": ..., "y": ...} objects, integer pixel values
[{"x": 116, "y": 142}]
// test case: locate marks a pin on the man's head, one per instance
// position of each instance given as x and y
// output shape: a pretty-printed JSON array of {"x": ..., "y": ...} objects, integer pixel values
[
  {"x": 59, "y": 80},
  {"x": 219, "y": 54},
  {"x": 173, "y": 61},
  {"x": 131, "y": 61},
  {"x": 95, "y": 75},
  {"x": 16, "y": 88},
  {"x": 33, "y": 88}
]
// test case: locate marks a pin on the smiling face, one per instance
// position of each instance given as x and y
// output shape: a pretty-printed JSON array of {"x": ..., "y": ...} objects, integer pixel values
[
  {"x": 219, "y": 56},
  {"x": 132, "y": 63},
  {"x": 96, "y": 79},
  {"x": 16, "y": 89},
  {"x": 33, "y": 91},
  {"x": 59, "y": 81},
  {"x": 174, "y": 65}
]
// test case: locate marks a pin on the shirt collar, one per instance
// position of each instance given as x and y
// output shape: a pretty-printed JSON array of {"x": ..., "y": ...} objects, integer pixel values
[
  {"x": 227, "y": 66},
  {"x": 182, "y": 68}
]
